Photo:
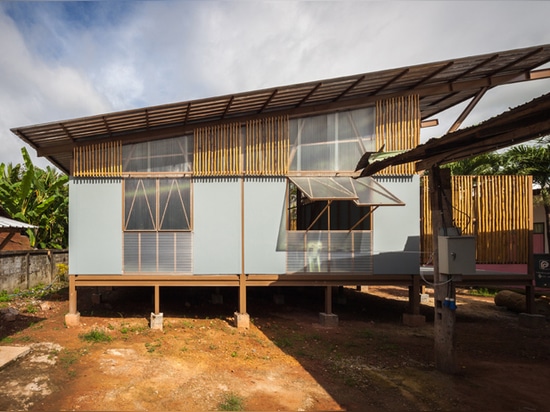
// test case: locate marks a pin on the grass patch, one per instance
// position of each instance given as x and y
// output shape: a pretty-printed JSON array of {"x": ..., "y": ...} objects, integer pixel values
[
  {"x": 95, "y": 336},
  {"x": 231, "y": 402},
  {"x": 485, "y": 292}
]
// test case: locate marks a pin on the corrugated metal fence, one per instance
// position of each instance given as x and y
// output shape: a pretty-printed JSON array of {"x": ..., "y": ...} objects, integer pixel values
[{"x": 497, "y": 210}]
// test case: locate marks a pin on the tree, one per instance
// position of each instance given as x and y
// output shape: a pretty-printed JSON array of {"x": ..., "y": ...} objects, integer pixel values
[
  {"x": 532, "y": 160},
  {"x": 39, "y": 197}
]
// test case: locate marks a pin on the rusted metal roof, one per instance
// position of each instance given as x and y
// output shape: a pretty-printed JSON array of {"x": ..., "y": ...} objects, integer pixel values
[
  {"x": 440, "y": 85},
  {"x": 523, "y": 123}
]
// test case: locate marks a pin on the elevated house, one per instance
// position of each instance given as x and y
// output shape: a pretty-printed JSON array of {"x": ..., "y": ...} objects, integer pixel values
[{"x": 261, "y": 188}]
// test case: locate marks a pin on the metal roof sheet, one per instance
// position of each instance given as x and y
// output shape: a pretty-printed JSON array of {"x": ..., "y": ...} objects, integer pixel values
[
  {"x": 440, "y": 85},
  {"x": 6, "y": 223}
]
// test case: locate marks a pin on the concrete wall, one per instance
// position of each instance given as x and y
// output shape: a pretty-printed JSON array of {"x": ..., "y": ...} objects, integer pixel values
[{"x": 27, "y": 269}]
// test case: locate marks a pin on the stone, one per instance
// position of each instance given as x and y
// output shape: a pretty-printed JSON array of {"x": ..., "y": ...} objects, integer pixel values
[
  {"x": 72, "y": 319},
  {"x": 532, "y": 321},
  {"x": 156, "y": 321},
  {"x": 329, "y": 320},
  {"x": 413, "y": 320},
  {"x": 242, "y": 320}
]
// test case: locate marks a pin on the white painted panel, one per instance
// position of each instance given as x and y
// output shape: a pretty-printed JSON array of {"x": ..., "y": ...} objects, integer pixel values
[
  {"x": 95, "y": 226},
  {"x": 264, "y": 204},
  {"x": 396, "y": 240},
  {"x": 217, "y": 226}
]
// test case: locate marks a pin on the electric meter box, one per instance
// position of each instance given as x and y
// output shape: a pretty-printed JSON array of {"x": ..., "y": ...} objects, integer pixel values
[{"x": 457, "y": 255}]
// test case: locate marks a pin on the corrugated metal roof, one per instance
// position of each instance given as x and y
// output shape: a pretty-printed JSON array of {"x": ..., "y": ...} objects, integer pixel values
[
  {"x": 440, "y": 85},
  {"x": 526, "y": 122},
  {"x": 6, "y": 223}
]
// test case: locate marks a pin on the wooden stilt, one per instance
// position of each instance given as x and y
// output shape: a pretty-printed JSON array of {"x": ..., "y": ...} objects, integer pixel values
[
  {"x": 157, "y": 299},
  {"x": 72, "y": 295},
  {"x": 328, "y": 300}
]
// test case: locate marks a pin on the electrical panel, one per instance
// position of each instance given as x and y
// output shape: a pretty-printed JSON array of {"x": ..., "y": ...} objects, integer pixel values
[{"x": 457, "y": 255}]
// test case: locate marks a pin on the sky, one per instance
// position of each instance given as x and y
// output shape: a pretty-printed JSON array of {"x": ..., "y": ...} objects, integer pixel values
[{"x": 61, "y": 60}]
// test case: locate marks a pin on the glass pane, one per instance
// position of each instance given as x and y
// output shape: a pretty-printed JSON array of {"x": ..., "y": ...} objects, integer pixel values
[
  {"x": 174, "y": 204},
  {"x": 168, "y": 155},
  {"x": 140, "y": 204},
  {"x": 331, "y": 142}
]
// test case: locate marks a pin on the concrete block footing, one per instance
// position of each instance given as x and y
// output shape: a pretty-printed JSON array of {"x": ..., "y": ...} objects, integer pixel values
[
  {"x": 279, "y": 299},
  {"x": 242, "y": 320},
  {"x": 328, "y": 319},
  {"x": 156, "y": 320},
  {"x": 96, "y": 298},
  {"x": 532, "y": 321},
  {"x": 72, "y": 319},
  {"x": 413, "y": 320},
  {"x": 424, "y": 298},
  {"x": 217, "y": 299}
]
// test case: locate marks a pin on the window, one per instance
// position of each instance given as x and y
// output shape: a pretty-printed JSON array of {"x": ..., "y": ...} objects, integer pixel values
[
  {"x": 157, "y": 225},
  {"x": 157, "y": 204},
  {"x": 168, "y": 155},
  {"x": 333, "y": 141}
]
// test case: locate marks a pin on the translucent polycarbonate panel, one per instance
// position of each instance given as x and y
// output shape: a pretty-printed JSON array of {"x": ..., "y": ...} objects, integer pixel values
[
  {"x": 184, "y": 255},
  {"x": 334, "y": 251},
  {"x": 148, "y": 252},
  {"x": 323, "y": 188},
  {"x": 370, "y": 192},
  {"x": 364, "y": 191},
  {"x": 140, "y": 204},
  {"x": 158, "y": 252},
  {"x": 174, "y": 204},
  {"x": 167, "y": 155},
  {"x": 334, "y": 141},
  {"x": 166, "y": 252},
  {"x": 131, "y": 252}
]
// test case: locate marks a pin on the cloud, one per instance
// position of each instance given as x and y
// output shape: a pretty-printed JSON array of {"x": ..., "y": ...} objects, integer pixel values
[{"x": 61, "y": 60}]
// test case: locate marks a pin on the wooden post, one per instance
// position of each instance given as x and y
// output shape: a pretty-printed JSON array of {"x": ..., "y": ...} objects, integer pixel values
[
  {"x": 328, "y": 300},
  {"x": 72, "y": 295},
  {"x": 414, "y": 296},
  {"x": 157, "y": 299},
  {"x": 445, "y": 317}
]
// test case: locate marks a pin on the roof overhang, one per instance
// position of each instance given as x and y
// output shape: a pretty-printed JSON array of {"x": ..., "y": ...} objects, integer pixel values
[
  {"x": 439, "y": 85},
  {"x": 521, "y": 124}
]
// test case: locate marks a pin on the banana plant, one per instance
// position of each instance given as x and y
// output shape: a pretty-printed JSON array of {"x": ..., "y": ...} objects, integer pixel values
[{"x": 39, "y": 197}]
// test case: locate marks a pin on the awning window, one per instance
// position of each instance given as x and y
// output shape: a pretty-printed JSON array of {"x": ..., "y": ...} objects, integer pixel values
[{"x": 364, "y": 191}]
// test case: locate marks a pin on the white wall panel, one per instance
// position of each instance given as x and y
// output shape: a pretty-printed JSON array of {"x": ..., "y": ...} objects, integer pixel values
[
  {"x": 264, "y": 204},
  {"x": 396, "y": 240},
  {"x": 95, "y": 226},
  {"x": 217, "y": 226}
]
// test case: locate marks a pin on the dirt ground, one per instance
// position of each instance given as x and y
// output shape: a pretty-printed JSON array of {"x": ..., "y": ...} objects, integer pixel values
[{"x": 285, "y": 361}]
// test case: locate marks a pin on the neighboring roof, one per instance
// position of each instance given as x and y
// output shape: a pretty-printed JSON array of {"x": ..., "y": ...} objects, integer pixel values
[
  {"x": 440, "y": 85},
  {"x": 7, "y": 225},
  {"x": 523, "y": 123}
]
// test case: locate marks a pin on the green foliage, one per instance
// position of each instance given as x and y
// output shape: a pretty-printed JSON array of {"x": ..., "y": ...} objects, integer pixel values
[
  {"x": 94, "y": 336},
  {"x": 38, "y": 197},
  {"x": 231, "y": 402},
  {"x": 485, "y": 164}
]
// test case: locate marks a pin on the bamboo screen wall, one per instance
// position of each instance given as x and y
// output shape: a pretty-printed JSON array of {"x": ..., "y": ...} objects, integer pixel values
[
  {"x": 398, "y": 128},
  {"x": 497, "y": 210},
  {"x": 261, "y": 148},
  {"x": 98, "y": 160}
]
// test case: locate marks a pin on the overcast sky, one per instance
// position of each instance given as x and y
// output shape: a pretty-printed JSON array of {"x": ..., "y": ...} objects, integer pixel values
[{"x": 60, "y": 60}]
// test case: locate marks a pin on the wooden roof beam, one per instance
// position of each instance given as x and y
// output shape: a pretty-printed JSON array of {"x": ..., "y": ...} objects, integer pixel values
[
  {"x": 473, "y": 103},
  {"x": 351, "y": 87},
  {"x": 269, "y": 99},
  {"x": 310, "y": 93}
]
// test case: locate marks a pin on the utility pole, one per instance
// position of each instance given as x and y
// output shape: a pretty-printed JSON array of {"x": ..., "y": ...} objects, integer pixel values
[{"x": 444, "y": 315}]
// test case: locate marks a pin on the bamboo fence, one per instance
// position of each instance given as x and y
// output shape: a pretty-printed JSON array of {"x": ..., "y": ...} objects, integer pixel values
[
  {"x": 497, "y": 210},
  {"x": 98, "y": 160}
]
